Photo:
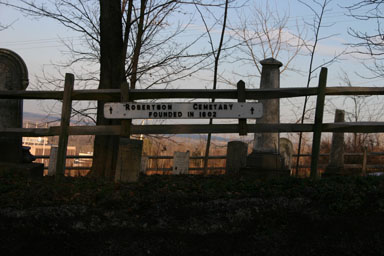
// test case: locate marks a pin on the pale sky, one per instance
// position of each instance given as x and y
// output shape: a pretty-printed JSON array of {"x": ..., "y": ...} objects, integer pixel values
[{"x": 38, "y": 42}]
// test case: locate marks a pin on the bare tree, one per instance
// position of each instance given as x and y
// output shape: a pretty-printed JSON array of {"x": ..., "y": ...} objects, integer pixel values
[
  {"x": 120, "y": 40},
  {"x": 2, "y": 27},
  {"x": 5, "y": 26},
  {"x": 362, "y": 108},
  {"x": 265, "y": 34},
  {"x": 216, "y": 53},
  {"x": 318, "y": 9},
  {"x": 369, "y": 43}
]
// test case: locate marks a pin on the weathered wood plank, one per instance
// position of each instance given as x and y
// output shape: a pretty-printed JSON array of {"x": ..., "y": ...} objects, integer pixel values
[
  {"x": 100, "y": 94},
  {"x": 140, "y": 94},
  {"x": 241, "y": 98},
  {"x": 219, "y": 128},
  {"x": 363, "y": 127},
  {"x": 65, "y": 120},
  {"x": 342, "y": 90}
]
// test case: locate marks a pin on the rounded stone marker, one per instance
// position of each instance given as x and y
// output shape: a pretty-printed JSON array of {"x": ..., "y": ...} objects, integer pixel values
[{"x": 13, "y": 76}]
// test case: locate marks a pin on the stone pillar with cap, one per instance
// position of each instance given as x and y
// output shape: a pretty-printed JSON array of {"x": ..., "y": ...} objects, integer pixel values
[
  {"x": 13, "y": 76},
  {"x": 270, "y": 79},
  {"x": 265, "y": 156}
]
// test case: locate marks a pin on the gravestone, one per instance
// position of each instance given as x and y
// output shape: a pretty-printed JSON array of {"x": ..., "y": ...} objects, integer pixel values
[
  {"x": 13, "y": 76},
  {"x": 286, "y": 151},
  {"x": 236, "y": 157},
  {"x": 144, "y": 164},
  {"x": 129, "y": 163},
  {"x": 180, "y": 163}
]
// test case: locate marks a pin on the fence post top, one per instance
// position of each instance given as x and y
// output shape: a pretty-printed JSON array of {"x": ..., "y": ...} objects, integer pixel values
[
  {"x": 240, "y": 83},
  {"x": 271, "y": 62}
]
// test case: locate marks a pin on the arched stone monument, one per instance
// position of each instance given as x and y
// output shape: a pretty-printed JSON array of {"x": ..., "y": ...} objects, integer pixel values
[{"x": 13, "y": 76}]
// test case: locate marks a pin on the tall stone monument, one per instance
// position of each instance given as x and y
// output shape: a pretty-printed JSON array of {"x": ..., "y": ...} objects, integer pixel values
[
  {"x": 13, "y": 76},
  {"x": 265, "y": 157},
  {"x": 270, "y": 79}
]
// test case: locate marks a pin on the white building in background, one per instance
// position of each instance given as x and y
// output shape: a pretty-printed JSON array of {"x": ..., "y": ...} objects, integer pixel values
[{"x": 39, "y": 147}]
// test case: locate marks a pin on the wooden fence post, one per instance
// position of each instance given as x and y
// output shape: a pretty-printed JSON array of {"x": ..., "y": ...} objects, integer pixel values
[
  {"x": 318, "y": 123},
  {"x": 129, "y": 155},
  {"x": 65, "y": 120},
  {"x": 125, "y": 123},
  {"x": 364, "y": 166},
  {"x": 241, "y": 98}
]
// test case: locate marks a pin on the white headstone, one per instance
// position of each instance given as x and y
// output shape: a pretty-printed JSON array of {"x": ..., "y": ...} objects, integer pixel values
[
  {"x": 286, "y": 151},
  {"x": 180, "y": 162}
]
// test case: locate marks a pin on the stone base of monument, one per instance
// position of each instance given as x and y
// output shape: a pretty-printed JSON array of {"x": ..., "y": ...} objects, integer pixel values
[
  {"x": 265, "y": 165},
  {"x": 29, "y": 170},
  {"x": 332, "y": 171}
]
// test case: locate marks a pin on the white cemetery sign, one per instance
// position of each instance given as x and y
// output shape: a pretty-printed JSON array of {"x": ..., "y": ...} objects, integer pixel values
[{"x": 194, "y": 110}]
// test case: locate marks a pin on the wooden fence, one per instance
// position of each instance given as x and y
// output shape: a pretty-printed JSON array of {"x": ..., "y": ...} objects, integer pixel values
[
  {"x": 114, "y": 95},
  {"x": 368, "y": 166}
]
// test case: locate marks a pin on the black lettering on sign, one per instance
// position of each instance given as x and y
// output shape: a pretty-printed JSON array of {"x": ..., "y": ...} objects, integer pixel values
[{"x": 208, "y": 114}]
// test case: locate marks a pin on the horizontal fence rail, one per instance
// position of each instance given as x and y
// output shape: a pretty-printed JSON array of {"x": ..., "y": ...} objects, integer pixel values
[
  {"x": 143, "y": 94},
  {"x": 321, "y": 165},
  {"x": 360, "y": 127}
]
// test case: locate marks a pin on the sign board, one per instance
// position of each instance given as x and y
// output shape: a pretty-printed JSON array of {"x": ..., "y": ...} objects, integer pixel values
[{"x": 193, "y": 110}]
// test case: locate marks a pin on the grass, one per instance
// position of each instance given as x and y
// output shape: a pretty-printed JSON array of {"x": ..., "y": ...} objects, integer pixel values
[{"x": 189, "y": 215}]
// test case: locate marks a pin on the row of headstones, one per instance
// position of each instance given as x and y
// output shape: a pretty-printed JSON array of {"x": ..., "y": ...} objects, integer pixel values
[{"x": 180, "y": 162}]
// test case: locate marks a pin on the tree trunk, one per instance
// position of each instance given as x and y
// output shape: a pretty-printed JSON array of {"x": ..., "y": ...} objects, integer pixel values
[{"x": 111, "y": 76}]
